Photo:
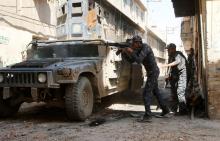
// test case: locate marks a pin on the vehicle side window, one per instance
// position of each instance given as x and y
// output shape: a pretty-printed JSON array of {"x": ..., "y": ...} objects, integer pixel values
[{"x": 83, "y": 51}]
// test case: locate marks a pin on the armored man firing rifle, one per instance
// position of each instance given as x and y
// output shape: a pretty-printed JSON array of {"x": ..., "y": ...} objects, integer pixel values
[{"x": 143, "y": 54}]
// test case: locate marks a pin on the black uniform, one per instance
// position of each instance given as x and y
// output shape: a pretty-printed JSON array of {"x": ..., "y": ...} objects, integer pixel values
[{"x": 145, "y": 56}]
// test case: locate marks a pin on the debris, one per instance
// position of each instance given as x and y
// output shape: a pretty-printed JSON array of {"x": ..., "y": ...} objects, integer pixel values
[
  {"x": 97, "y": 122},
  {"x": 109, "y": 117},
  {"x": 144, "y": 120},
  {"x": 136, "y": 115}
]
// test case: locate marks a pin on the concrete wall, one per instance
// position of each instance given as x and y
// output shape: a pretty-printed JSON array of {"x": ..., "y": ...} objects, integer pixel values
[
  {"x": 12, "y": 43},
  {"x": 187, "y": 33},
  {"x": 213, "y": 52},
  {"x": 20, "y": 21}
]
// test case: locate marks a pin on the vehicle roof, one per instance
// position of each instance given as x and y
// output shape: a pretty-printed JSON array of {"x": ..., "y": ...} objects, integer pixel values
[
  {"x": 68, "y": 42},
  {"x": 78, "y": 42}
]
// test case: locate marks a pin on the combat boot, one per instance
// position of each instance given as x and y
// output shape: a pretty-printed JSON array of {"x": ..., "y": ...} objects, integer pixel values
[
  {"x": 166, "y": 112},
  {"x": 146, "y": 118}
]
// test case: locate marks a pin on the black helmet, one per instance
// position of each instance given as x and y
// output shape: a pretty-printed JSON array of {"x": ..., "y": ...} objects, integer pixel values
[
  {"x": 137, "y": 38},
  {"x": 171, "y": 45}
]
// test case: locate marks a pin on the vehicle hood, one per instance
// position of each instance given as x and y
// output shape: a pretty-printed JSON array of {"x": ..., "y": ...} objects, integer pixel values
[{"x": 51, "y": 64}]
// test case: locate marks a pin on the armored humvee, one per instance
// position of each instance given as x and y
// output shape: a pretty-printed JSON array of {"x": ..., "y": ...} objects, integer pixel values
[{"x": 75, "y": 73}]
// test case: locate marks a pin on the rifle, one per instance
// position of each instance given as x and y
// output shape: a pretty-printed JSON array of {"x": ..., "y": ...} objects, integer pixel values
[
  {"x": 167, "y": 80},
  {"x": 121, "y": 46},
  {"x": 127, "y": 43}
]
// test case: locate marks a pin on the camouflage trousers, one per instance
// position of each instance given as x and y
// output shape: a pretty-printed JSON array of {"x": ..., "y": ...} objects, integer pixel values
[
  {"x": 181, "y": 87},
  {"x": 178, "y": 89}
]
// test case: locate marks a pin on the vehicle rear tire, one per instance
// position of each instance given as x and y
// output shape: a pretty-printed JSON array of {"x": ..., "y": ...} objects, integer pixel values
[
  {"x": 6, "y": 109},
  {"x": 79, "y": 100}
]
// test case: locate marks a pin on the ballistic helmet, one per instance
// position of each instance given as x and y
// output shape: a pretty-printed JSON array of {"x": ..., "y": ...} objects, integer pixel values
[{"x": 137, "y": 38}]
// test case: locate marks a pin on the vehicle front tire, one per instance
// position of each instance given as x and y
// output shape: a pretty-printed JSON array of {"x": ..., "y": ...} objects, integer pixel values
[
  {"x": 79, "y": 99},
  {"x": 6, "y": 109}
]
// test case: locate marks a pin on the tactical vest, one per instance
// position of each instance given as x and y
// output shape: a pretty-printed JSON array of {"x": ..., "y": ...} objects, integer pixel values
[{"x": 175, "y": 72}]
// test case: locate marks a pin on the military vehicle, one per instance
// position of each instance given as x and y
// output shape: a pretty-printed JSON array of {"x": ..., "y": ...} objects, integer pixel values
[{"x": 72, "y": 73}]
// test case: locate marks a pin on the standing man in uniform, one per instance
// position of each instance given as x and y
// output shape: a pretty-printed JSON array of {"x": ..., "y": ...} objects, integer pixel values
[
  {"x": 143, "y": 54},
  {"x": 177, "y": 77}
]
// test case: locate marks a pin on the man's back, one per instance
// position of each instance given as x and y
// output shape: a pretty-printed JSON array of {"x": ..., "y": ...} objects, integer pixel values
[
  {"x": 149, "y": 60},
  {"x": 182, "y": 62}
]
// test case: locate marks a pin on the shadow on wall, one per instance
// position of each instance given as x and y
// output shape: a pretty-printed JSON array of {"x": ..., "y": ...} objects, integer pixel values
[{"x": 43, "y": 10}]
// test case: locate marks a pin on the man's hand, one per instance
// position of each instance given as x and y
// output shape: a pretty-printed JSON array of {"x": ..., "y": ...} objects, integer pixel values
[
  {"x": 126, "y": 50},
  {"x": 130, "y": 50}
]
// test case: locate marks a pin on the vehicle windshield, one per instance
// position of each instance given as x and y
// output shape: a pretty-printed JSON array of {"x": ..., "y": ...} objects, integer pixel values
[{"x": 64, "y": 51}]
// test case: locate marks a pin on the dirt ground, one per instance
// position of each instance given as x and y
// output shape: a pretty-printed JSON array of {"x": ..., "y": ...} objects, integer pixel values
[
  {"x": 118, "y": 115},
  {"x": 37, "y": 122}
]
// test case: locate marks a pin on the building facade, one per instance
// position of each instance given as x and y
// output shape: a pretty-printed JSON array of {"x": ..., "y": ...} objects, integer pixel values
[
  {"x": 133, "y": 9},
  {"x": 201, "y": 32},
  {"x": 158, "y": 47},
  {"x": 113, "y": 20},
  {"x": 213, "y": 57},
  {"x": 187, "y": 33},
  {"x": 22, "y": 21}
]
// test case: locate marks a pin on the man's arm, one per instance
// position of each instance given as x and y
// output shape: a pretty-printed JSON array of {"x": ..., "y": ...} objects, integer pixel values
[
  {"x": 127, "y": 57},
  {"x": 174, "y": 63},
  {"x": 133, "y": 54}
]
